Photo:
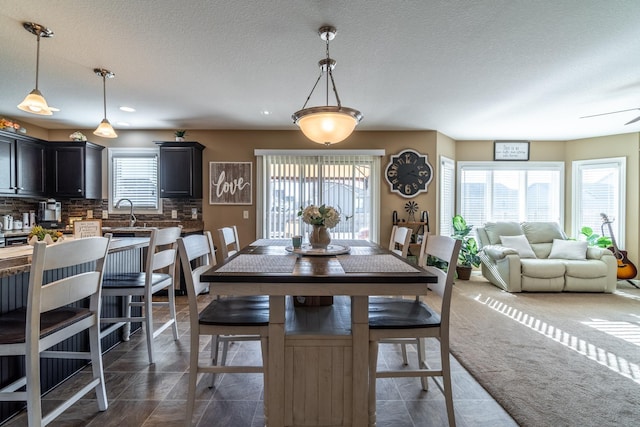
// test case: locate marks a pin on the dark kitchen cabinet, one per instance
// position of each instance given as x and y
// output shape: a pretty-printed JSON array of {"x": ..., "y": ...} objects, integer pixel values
[
  {"x": 180, "y": 169},
  {"x": 75, "y": 170},
  {"x": 22, "y": 165}
]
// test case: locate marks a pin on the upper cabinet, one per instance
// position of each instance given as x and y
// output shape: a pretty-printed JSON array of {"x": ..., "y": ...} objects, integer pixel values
[
  {"x": 75, "y": 170},
  {"x": 180, "y": 169},
  {"x": 22, "y": 165}
]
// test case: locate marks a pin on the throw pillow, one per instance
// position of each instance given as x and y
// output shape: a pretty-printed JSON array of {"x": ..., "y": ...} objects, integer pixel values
[
  {"x": 520, "y": 244},
  {"x": 542, "y": 232},
  {"x": 496, "y": 229},
  {"x": 568, "y": 249}
]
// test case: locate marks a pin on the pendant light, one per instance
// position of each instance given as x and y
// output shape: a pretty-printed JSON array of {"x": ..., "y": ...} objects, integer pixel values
[
  {"x": 104, "y": 129},
  {"x": 35, "y": 103},
  {"x": 327, "y": 124}
]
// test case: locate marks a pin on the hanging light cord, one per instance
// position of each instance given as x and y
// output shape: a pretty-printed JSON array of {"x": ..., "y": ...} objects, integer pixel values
[
  {"x": 104, "y": 94},
  {"x": 333, "y": 83},
  {"x": 38, "y": 57}
]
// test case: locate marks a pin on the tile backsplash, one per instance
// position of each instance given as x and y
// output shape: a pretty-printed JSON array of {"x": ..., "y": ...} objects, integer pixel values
[{"x": 16, "y": 206}]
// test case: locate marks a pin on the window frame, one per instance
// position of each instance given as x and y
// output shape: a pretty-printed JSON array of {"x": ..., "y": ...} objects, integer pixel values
[{"x": 132, "y": 152}]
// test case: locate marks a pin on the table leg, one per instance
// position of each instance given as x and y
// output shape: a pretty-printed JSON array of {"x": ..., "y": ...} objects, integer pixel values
[
  {"x": 276, "y": 368},
  {"x": 360, "y": 333}
]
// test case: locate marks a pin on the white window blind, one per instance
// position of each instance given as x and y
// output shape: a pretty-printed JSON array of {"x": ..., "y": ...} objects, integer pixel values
[
  {"x": 600, "y": 188},
  {"x": 134, "y": 176},
  {"x": 348, "y": 182},
  {"x": 510, "y": 191},
  {"x": 447, "y": 195}
]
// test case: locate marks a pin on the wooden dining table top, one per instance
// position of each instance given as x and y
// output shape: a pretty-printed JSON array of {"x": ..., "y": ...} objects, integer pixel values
[{"x": 271, "y": 261}]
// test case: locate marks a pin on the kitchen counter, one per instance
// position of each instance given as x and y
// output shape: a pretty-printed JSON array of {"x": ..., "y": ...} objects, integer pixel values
[{"x": 17, "y": 259}]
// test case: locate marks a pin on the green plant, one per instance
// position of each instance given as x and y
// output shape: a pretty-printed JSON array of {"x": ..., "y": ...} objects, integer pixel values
[
  {"x": 594, "y": 239},
  {"x": 180, "y": 133},
  {"x": 468, "y": 255}
]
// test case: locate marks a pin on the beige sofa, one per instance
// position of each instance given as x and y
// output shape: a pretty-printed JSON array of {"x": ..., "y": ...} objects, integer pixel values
[{"x": 538, "y": 257}]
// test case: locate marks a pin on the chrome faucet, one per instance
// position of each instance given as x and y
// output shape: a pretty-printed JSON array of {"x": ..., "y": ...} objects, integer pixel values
[{"x": 132, "y": 219}]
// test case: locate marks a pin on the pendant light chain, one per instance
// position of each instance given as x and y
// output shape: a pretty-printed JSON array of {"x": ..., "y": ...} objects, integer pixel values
[
  {"x": 104, "y": 94},
  {"x": 37, "y": 58}
]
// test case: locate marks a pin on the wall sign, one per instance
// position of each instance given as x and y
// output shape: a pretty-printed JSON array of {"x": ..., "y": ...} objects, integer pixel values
[
  {"x": 511, "y": 150},
  {"x": 409, "y": 173},
  {"x": 87, "y": 228},
  {"x": 230, "y": 183}
]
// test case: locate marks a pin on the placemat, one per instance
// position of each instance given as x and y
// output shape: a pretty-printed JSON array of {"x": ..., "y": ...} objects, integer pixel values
[
  {"x": 260, "y": 264},
  {"x": 374, "y": 264}
]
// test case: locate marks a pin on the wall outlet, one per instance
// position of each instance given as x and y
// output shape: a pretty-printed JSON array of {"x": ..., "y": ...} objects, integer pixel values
[
  {"x": 105, "y": 214},
  {"x": 194, "y": 213},
  {"x": 174, "y": 214},
  {"x": 89, "y": 214},
  {"x": 245, "y": 214}
]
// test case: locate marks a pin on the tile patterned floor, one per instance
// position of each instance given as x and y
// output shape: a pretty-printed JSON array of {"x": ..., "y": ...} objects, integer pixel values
[{"x": 154, "y": 395}]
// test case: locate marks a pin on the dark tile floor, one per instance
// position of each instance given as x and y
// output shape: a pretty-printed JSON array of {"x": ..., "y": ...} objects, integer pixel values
[{"x": 154, "y": 395}]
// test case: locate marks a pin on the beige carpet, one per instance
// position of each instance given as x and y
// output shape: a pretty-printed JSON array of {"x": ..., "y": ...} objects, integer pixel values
[{"x": 552, "y": 359}]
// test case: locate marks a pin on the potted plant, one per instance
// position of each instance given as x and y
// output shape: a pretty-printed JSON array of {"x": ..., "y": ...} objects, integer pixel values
[
  {"x": 594, "y": 239},
  {"x": 180, "y": 135},
  {"x": 468, "y": 256}
]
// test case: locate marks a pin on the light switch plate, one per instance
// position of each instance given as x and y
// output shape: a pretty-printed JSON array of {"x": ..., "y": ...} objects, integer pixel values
[
  {"x": 105, "y": 214},
  {"x": 245, "y": 214},
  {"x": 89, "y": 214},
  {"x": 194, "y": 213},
  {"x": 174, "y": 214}
]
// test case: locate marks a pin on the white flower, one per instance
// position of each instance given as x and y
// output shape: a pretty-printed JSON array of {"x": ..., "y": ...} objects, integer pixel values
[
  {"x": 320, "y": 215},
  {"x": 78, "y": 136}
]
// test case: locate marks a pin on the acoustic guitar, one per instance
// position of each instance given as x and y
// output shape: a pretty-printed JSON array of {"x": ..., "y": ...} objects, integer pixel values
[{"x": 626, "y": 269}]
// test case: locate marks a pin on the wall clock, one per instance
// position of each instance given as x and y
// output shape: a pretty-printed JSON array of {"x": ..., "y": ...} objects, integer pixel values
[{"x": 409, "y": 173}]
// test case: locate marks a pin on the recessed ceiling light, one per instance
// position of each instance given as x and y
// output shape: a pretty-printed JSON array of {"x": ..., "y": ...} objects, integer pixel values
[
  {"x": 265, "y": 112},
  {"x": 128, "y": 109},
  {"x": 123, "y": 124}
]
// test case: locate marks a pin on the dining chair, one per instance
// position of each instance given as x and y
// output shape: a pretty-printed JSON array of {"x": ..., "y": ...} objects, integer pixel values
[
  {"x": 224, "y": 317},
  {"x": 56, "y": 310},
  {"x": 159, "y": 275},
  {"x": 229, "y": 242},
  {"x": 400, "y": 239},
  {"x": 393, "y": 318}
]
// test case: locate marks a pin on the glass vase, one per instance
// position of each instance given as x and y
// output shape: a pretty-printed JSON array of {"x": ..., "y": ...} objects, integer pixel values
[{"x": 319, "y": 237}]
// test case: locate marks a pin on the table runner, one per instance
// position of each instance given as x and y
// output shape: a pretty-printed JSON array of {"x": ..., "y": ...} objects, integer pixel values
[
  {"x": 259, "y": 264},
  {"x": 374, "y": 264}
]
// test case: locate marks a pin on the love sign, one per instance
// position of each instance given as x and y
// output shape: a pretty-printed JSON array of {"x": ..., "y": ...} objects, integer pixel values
[{"x": 230, "y": 183}]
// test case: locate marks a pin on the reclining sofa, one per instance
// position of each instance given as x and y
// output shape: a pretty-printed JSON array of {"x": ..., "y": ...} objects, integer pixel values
[{"x": 538, "y": 257}]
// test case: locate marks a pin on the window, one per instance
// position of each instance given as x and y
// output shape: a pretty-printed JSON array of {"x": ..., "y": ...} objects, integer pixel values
[
  {"x": 447, "y": 195},
  {"x": 510, "y": 191},
  {"x": 345, "y": 179},
  {"x": 133, "y": 175},
  {"x": 600, "y": 188}
]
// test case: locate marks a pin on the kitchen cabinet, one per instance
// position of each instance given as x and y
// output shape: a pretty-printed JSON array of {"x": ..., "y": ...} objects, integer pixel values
[
  {"x": 180, "y": 169},
  {"x": 75, "y": 169},
  {"x": 22, "y": 165}
]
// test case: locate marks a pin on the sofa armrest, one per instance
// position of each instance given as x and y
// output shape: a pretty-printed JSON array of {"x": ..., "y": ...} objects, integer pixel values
[
  {"x": 594, "y": 252},
  {"x": 497, "y": 252}
]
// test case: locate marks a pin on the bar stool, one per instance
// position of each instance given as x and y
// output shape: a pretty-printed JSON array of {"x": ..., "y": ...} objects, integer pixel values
[
  {"x": 49, "y": 319},
  {"x": 159, "y": 275}
]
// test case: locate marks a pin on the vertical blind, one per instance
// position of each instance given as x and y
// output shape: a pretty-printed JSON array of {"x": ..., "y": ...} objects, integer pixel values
[
  {"x": 447, "y": 195},
  {"x": 349, "y": 183},
  {"x": 134, "y": 176}
]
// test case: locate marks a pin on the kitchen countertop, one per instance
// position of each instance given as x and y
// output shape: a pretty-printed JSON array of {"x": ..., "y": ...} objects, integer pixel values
[{"x": 17, "y": 259}]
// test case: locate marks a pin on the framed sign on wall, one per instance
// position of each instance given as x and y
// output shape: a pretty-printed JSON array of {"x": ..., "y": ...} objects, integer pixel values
[
  {"x": 230, "y": 183},
  {"x": 511, "y": 150}
]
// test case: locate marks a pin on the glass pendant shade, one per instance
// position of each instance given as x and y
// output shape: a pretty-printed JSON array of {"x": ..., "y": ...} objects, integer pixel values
[
  {"x": 105, "y": 130},
  {"x": 327, "y": 125},
  {"x": 35, "y": 103}
]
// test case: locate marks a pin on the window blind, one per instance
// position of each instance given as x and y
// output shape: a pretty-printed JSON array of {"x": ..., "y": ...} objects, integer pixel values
[{"x": 134, "y": 176}]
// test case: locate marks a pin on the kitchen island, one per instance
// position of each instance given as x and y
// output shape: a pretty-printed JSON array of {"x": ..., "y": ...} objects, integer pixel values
[{"x": 125, "y": 255}]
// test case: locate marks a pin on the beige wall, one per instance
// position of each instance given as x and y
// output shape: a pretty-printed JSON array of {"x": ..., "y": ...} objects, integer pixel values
[{"x": 239, "y": 146}]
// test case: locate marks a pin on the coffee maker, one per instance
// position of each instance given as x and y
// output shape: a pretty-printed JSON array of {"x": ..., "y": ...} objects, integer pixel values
[{"x": 50, "y": 214}]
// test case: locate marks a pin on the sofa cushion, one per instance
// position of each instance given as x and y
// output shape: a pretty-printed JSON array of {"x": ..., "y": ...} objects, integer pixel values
[
  {"x": 542, "y": 232},
  {"x": 520, "y": 244},
  {"x": 568, "y": 249},
  {"x": 586, "y": 270},
  {"x": 496, "y": 229},
  {"x": 542, "y": 268}
]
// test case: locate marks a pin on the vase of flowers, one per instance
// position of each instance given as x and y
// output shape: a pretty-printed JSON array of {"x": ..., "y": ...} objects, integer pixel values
[
  {"x": 78, "y": 136},
  {"x": 322, "y": 218}
]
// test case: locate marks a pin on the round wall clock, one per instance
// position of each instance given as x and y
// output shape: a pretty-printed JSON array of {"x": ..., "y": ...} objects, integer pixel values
[{"x": 409, "y": 173}]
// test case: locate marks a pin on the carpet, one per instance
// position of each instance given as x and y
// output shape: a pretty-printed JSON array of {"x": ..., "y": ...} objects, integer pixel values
[{"x": 552, "y": 359}]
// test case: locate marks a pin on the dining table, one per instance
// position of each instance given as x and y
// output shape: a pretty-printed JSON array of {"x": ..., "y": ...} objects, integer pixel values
[{"x": 317, "y": 372}]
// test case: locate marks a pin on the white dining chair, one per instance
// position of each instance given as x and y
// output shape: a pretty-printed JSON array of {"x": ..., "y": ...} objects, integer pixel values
[
  {"x": 414, "y": 319},
  {"x": 400, "y": 240},
  {"x": 159, "y": 274},
  {"x": 229, "y": 242},
  {"x": 56, "y": 311},
  {"x": 225, "y": 318}
]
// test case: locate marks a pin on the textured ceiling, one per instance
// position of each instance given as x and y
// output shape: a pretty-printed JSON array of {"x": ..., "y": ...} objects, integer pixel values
[{"x": 486, "y": 69}]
